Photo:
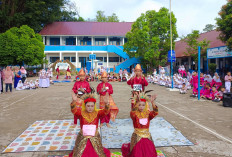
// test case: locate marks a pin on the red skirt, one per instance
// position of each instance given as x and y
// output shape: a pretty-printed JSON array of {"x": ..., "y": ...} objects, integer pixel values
[
  {"x": 89, "y": 151},
  {"x": 144, "y": 148}
]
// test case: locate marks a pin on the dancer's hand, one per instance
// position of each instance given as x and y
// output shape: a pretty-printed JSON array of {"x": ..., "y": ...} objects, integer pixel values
[
  {"x": 81, "y": 89},
  {"x": 153, "y": 98}
]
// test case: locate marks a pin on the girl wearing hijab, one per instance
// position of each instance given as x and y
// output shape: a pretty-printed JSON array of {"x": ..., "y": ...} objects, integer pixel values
[
  {"x": 8, "y": 78},
  {"x": 23, "y": 74},
  {"x": 20, "y": 85},
  {"x": 216, "y": 81},
  {"x": 32, "y": 85}
]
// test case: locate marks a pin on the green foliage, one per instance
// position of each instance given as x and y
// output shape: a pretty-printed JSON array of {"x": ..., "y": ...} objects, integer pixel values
[
  {"x": 21, "y": 45},
  {"x": 35, "y": 13},
  {"x": 224, "y": 23},
  {"x": 101, "y": 17},
  {"x": 208, "y": 28},
  {"x": 149, "y": 37},
  {"x": 212, "y": 67},
  {"x": 192, "y": 42}
]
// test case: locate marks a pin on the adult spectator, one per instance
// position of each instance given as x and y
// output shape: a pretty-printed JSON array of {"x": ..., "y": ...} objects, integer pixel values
[
  {"x": 17, "y": 76},
  {"x": 8, "y": 78},
  {"x": 23, "y": 74}
]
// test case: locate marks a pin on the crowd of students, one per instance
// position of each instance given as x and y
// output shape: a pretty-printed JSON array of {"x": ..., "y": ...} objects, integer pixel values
[{"x": 211, "y": 88}]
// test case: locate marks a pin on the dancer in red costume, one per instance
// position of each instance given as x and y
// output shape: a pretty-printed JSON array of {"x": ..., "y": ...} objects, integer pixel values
[
  {"x": 103, "y": 88},
  {"x": 80, "y": 87},
  {"x": 57, "y": 72},
  {"x": 141, "y": 144},
  {"x": 68, "y": 73},
  {"x": 88, "y": 141},
  {"x": 137, "y": 82}
]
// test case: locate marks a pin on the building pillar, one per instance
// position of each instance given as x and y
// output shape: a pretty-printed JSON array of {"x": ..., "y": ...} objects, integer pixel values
[
  {"x": 217, "y": 65},
  {"x": 92, "y": 41},
  {"x": 76, "y": 41},
  {"x": 61, "y": 56},
  {"x": 202, "y": 63},
  {"x": 107, "y": 62},
  {"x": 189, "y": 62},
  {"x": 107, "y": 40},
  {"x": 48, "y": 40},
  {"x": 123, "y": 40},
  {"x": 61, "y": 40},
  {"x": 44, "y": 40},
  {"x": 77, "y": 60}
]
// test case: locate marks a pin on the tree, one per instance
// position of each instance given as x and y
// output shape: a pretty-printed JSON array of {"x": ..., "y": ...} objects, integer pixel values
[
  {"x": 192, "y": 41},
  {"x": 101, "y": 17},
  {"x": 224, "y": 23},
  {"x": 208, "y": 28},
  {"x": 35, "y": 13},
  {"x": 149, "y": 37},
  {"x": 21, "y": 45}
]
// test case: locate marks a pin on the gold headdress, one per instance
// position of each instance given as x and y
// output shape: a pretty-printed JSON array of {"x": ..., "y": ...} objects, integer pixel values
[
  {"x": 89, "y": 97},
  {"x": 143, "y": 97}
]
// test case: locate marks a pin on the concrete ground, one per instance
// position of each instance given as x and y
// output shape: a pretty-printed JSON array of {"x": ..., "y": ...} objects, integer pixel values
[{"x": 207, "y": 124}]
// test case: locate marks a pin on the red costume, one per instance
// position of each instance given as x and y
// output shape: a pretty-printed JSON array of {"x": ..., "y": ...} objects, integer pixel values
[
  {"x": 76, "y": 89},
  {"x": 138, "y": 80},
  {"x": 88, "y": 145},
  {"x": 58, "y": 73},
  {"x": 141, "y": 141},
  {"x": 113, "y": 108}
]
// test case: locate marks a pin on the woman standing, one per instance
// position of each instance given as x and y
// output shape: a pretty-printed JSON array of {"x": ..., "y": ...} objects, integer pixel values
[
  {"x": 17, "y": 76},
  {"x": 23, "y": 74},
  {"x": 8, "y": 78}
]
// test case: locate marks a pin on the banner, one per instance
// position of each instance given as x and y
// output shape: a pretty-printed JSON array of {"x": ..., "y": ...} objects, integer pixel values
[{"x": 218, "y": 52}]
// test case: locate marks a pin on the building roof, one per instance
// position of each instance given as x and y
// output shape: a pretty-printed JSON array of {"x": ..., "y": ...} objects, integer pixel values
[
  {"x": 87, "y": 28},
  {"x": 212, "y": 36}
]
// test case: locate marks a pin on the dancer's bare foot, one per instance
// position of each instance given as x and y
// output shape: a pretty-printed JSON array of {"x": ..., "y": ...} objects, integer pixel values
[
  {"x": 108, "y": 125},
  {"x": 101, "y": 125}
]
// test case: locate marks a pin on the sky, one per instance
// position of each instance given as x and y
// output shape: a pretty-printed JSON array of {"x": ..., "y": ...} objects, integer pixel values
[{"x": 190, "y": 14}]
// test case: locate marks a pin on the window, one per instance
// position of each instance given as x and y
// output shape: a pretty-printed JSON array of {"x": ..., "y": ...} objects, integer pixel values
[
  {"x": 54, "y": 41},
  {"x": 67, "y": 58},
  {"x": 113, "y": 59},
  {"x": 70, "y": 41},
  {"x": 105, "y": 59},
  {"x": 54, "y": 59},
  {"x": 99, "y": 58},
  {"x": 73, "y": 59}
]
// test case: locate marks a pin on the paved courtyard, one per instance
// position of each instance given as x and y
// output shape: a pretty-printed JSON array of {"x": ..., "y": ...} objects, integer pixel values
[{"x": 207, "y": 124}]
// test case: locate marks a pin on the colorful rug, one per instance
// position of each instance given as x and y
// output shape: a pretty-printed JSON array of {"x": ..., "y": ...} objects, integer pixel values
[
  {"x": 62, "y": 81},
  {"x": 163, "y": 133},
  {"x": 117, "y": 154},
  {"x": 48, "y": 135}
]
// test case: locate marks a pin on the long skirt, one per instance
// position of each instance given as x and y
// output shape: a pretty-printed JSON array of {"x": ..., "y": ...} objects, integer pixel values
[
  {"x": 139, "y": 147},
  {"x": 89, "y": 147},
  {"x": 16, "y": 80},
  {"x": 113, "y": 109}
]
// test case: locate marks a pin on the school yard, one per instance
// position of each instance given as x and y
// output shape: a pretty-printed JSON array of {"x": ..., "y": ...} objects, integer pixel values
[{"x": 207, "y": 124}]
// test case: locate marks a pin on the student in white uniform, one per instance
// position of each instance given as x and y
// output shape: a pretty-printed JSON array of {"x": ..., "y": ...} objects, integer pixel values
[{"x": 20, "y": 86}]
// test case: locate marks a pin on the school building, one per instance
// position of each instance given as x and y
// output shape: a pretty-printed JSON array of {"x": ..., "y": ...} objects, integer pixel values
[
  {"x": 75, "y": 41},
  {"x": 216, "y": 53}
]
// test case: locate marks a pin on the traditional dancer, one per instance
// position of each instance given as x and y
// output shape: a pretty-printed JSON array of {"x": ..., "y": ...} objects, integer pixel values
[
  {"x": 57, "y": 72},
  {"x": 137, "y": 82},
  {"x": 103, "y": 88},
  {"x": 88, "y": 141},
  {"x": 68, "y": 73},
  {"x": 141, "y": 144},
  {"x": 79, "y": 88}
]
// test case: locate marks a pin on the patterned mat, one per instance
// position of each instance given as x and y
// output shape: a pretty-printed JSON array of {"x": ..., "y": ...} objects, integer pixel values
[
  {"x": 48, "y": 135},
  {"x": 163, "y": 133},
  {"x": 116, "y": 154}
]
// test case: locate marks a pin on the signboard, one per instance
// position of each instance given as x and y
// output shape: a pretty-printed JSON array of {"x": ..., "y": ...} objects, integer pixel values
[
  {"x": 92, "y": 56},
  {"x": 63, "y": 66},
  {"x": 173, "y": 56},
  {"x": 218, "y": 52}
]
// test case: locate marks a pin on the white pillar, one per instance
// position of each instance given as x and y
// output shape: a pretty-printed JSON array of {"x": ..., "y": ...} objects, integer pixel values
[
  {"x": 76, "y": 41},
  {"x": 189, "y": 61},
  {"x": 77, "y": 60},
  {"x": 92, "y": 41},
  {"x": 123, "y": 40},
  {"x": 44, "y": 40},
  {"x": 61, "y": 40},
  {"x": 107, "y": 62},
  {"x": 107, "y": 40},
  {"x": 61, "y": 56}
]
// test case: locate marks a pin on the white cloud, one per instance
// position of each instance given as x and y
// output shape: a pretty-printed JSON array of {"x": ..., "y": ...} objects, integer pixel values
[{"x": 190, "y": 14}]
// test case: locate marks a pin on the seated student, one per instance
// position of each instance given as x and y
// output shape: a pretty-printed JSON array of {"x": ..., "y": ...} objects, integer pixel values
[
  {"x": 51, "y": 81},
  {"x": 219, "y": 95},
  {"x": 206, "y": 93},
  {"x": 155, "y": 80},
  {"x": 20, "y": 85},
  {"x": 26, "y": 85},
  {"x": 213, "y": 93},
  {"x": 141, "y": 144},
  {"x": 124, "y": 78},
  {"x": 88, "y": 142},
  {"x": 114, "y": 77},
  {"x": 32, "y": 85},
  {"x": 37, "y": 83},
  {"x": 184, "y": 89}
]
